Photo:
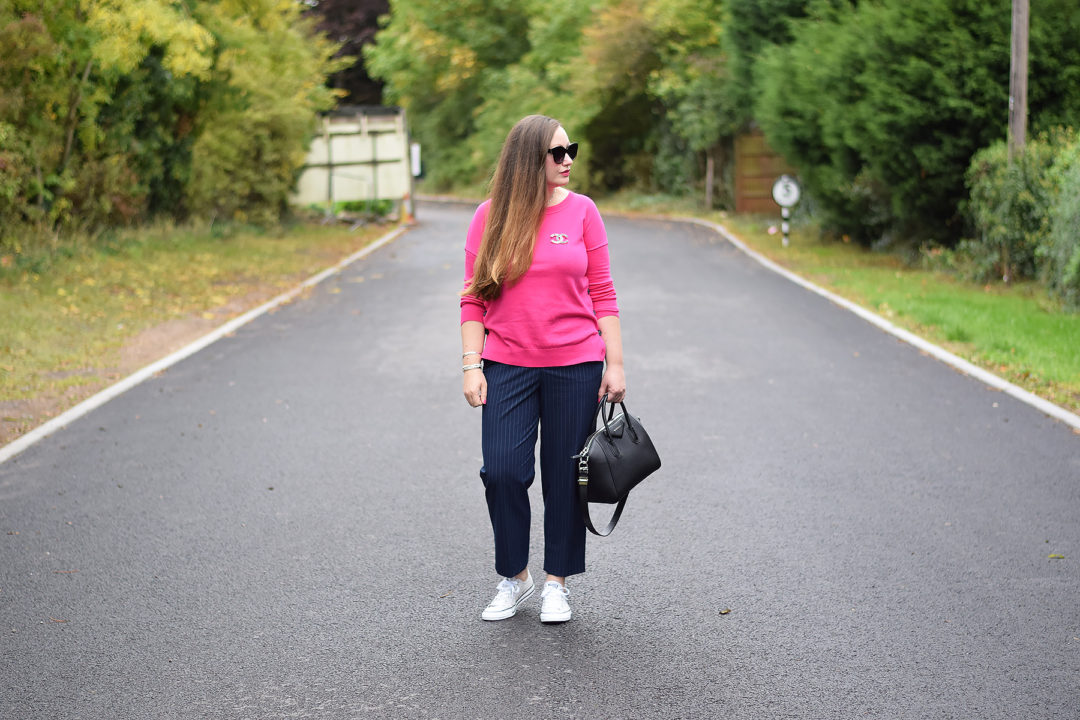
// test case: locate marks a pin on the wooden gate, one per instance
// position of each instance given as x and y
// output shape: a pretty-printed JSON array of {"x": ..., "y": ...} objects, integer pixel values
[{"x": 757, "y": 166}]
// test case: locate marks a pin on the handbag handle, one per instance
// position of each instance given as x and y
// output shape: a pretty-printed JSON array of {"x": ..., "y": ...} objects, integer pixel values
[
  {"x": 583, "y": 490},
  {"x": 610, "y": 415}
]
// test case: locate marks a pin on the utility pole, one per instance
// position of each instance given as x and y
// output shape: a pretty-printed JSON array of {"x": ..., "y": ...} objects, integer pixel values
[{"x": 1018, "y": 71}]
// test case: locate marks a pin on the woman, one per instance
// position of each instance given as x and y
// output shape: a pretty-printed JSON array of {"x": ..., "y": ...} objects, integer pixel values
[{"x": 539, "y": 310}]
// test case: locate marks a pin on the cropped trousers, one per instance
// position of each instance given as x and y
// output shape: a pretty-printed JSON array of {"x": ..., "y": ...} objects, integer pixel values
[{"x": 561, "y": 403}]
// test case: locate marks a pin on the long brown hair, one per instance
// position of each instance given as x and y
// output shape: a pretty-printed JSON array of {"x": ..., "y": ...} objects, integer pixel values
[{"x": 518, "y": 200}]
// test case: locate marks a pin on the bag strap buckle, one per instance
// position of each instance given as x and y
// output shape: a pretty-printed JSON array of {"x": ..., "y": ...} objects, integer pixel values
[{"x": 583, "y": 468}]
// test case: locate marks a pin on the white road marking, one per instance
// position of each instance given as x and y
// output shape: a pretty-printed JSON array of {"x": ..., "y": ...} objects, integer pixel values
[
  {"x": 926, "y": 346},
  {"x": 14, "y": 448}
]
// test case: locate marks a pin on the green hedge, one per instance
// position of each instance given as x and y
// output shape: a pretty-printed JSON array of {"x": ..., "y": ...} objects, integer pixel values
[
  {"x": 1061, "y": 252},
  {"x": 880, "y": 106},
  {"x": 1026, "y": 215}
]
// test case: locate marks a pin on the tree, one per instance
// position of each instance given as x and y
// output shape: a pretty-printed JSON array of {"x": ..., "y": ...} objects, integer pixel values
[
  {"x": 694, "y": 83},
  {"x": 258, "y": 111},
  {"x": 618, "y": 56},
  {"x": 111, "y": 111},
  {"x": 882, "y": 123},
  {"x": 352, "y": 24},
  {"x": 435, "y": 60},
  {"x": 541, "y": 82},
  {"x": 754, "y": 26}
]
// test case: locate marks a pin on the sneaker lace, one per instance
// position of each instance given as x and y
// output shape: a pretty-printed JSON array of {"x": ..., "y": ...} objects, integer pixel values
[
  {"x": 554, "y": 588},
  {"x": 507, "y": 587}
]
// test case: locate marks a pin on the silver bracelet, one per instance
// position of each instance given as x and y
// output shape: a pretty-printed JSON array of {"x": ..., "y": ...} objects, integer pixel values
[
  {"x": 476, "y": 366},
  {"x": 471, "y": 352}
]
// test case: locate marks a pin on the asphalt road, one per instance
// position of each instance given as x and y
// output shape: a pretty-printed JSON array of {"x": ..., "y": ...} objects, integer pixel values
[{"x": 290, "y": 523}]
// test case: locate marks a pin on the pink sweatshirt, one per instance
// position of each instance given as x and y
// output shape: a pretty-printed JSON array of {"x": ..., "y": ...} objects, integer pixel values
[{"x": 548, "y": 316}]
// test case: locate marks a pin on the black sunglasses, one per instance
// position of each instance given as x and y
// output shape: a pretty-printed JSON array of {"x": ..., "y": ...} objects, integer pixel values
[{"x": 559, "y": 152}]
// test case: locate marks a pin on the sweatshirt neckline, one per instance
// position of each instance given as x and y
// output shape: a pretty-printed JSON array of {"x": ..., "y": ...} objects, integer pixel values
[{"x": 550, "y": 209}]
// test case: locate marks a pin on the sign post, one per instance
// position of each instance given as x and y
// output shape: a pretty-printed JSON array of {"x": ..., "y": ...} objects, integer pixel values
[{"x": 785, "y": 192}]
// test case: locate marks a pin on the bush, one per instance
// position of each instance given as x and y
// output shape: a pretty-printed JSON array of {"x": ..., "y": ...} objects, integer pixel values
[
  {"x": 377, "y": 208},
  {"x": 1026, "y": 215},
  {"x": 1062, "y": 247},
  {"x": 1009, "y": 208},
  {"x": 116, "y": 113}
]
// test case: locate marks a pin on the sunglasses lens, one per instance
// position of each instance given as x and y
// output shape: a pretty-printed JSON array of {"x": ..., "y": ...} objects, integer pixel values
[{"x": 558, "y": 153}]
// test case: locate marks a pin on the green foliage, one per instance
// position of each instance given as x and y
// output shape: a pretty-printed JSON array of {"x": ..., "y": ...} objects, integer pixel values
[
  {"x": 43, "y": 93},
  {"x": 694, "y": 86},
  {"x": 377, "y": 208},
  {"x": 754, "y": 26},
  {"x": 1026, "y": 214},
  {"x": 630, "y": 79},
  {"x": 436, "y": 60},
  {"x": 114, "y": 111},
  {"x": 619, "y": 53},
  {"x": 258, "y": 110},
  {"x": 880, "y": 122},
  {"x": 1054, "y": 65},
  {"x": 882, "y": 105},
  {"x": 1062, "y": 248},
  {"x": 1009, "y": 209}
]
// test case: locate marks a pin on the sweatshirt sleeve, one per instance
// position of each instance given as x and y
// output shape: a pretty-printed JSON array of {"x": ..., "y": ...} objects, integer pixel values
[
  {"x": 601, "y": 287},
  {"x": 472, "y": 307}
]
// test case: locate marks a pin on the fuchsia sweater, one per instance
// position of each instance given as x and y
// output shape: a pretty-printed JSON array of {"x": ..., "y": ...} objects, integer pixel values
[{"x": 548, "y": 316}]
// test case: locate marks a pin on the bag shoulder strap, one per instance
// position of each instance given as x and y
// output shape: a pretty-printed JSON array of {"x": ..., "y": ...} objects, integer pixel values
[{"x": 583, "y": 497}]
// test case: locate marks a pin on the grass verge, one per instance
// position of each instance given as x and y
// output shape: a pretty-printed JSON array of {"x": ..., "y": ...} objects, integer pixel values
[
  {"x": 1014, "y": 331},
  {"x": 98, "y": 314}
]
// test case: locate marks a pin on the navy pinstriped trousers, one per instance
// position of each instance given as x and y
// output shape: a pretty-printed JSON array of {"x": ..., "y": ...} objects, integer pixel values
[{"x": 562, "y": 402}]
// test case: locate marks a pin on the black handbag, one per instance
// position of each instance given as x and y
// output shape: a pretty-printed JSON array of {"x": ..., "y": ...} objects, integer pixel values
[{"x": 615, "y": 458}]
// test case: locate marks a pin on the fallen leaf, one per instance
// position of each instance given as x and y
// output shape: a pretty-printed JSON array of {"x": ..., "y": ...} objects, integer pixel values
[
  {"x": 448, "y": 594},
  {"x": 1055, "y": 556},
  {"x": 725, "y": 611},
  {"x": 55, "y": 620}
]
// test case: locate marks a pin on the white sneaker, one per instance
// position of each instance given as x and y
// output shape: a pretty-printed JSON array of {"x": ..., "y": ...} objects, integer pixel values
[
  {"x": 510, "y": 593},
  {"x": 555, "y": 607}
]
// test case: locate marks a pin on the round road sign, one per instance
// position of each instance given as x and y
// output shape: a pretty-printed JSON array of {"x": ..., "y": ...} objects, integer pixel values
[{"x": 785, "y": 191}]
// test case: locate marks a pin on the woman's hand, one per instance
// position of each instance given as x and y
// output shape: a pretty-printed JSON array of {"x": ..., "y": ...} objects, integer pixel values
[
  {"x": 475, "y": 387},
  {"x": 613, "y": 384}
]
